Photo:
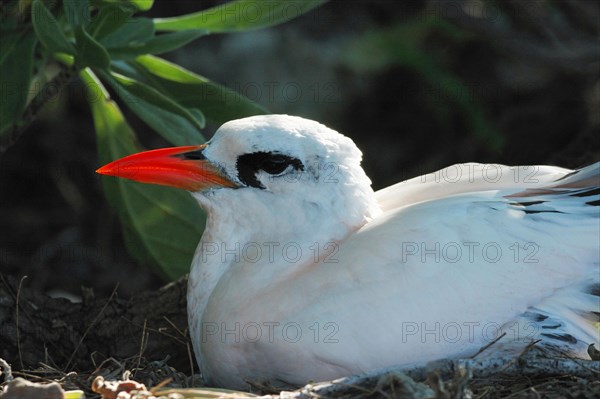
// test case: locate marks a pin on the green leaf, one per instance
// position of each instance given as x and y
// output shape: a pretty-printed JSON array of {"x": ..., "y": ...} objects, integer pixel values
[
  {"x": 12, "y": 16},
  {"x": 239, "y": 15},
  {"x": 142, "y": 5},
  {"x": 48, "y": 31},
  {"x": 8, "y": 41},
  {"x": 162, "y": 225},
  {"x": 172, "y": 41},
  {"x": 89, "y": 51},
  {"x": 134, "y": 33},
  {"x": 158, "y": 44},
  {"x": 217, "y": 103},
  {"x": 18, "y": 65},
  {"x": 172, "y": 121},
  {"x": 77, "y": 12},
  {"x": 110, "y": 17},
  {"x": 137, "y": 5}
]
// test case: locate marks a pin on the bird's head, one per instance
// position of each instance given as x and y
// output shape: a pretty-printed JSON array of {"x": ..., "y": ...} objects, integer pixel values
[{"x": 273, "y": 163}]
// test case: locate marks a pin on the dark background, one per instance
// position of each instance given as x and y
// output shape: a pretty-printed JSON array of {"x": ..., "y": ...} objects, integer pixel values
[{"x": 524, "y": 73}]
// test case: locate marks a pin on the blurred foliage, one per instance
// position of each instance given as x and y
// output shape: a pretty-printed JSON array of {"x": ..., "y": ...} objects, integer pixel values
[
  {"x": 529, "y": 42},
  {"x": 45, "y": 44},
  {"x": 404, "y": 44}
]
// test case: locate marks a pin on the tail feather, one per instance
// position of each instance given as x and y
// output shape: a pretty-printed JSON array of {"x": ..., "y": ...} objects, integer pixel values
[
  {"x": 565, "y": 324},
  {"x": 583, "y": 183},
  {"x": 581, "y": 178},
  {"x": 569, "y": 320}
]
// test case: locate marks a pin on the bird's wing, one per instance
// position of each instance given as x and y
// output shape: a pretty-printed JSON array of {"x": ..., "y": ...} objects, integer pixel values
[
  {"x": 467, "y": 178},
  {"x": 445, "y": 269},
  {"x": 440, "y": 277}
]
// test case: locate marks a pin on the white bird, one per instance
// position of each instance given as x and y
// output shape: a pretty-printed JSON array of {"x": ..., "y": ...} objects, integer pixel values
[{"x": 304, "y": 273}]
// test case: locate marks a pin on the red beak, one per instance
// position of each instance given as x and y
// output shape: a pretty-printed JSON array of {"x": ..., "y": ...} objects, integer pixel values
[{"x": 180, "y": 167}]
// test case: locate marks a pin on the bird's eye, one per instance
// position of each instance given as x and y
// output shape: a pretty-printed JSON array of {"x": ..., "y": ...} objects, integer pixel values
[
  {"x": 275, "y": 165},
  {"x": 249, "y": 165}
]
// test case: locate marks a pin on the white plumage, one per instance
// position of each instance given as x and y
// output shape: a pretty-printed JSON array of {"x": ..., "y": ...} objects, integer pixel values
[{"x": 304, "y": 273}]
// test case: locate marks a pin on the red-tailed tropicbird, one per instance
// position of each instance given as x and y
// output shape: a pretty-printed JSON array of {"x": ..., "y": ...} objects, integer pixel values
[{"x": 304, "y": 273}]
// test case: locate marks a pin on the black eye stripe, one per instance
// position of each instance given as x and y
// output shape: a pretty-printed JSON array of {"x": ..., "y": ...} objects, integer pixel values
[{"x": 248, "y": 166}]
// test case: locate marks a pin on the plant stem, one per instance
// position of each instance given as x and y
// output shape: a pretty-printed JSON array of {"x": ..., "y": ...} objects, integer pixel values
[{"x": 50, "y": 90}]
